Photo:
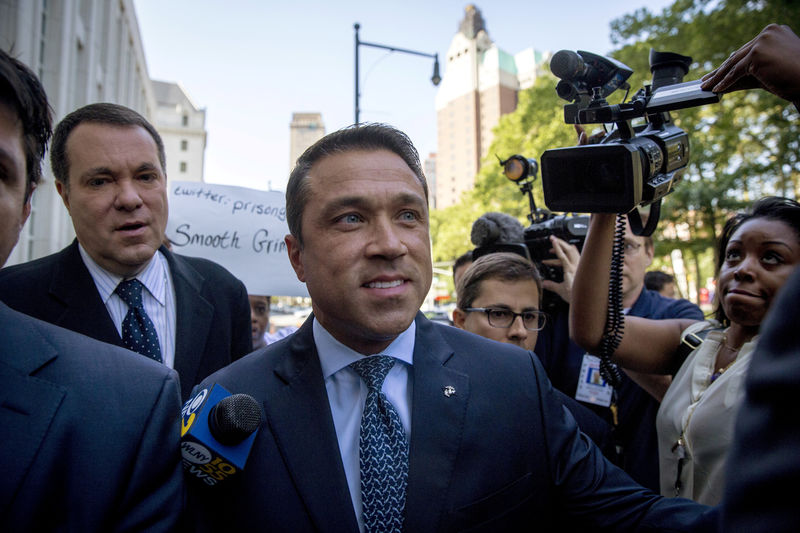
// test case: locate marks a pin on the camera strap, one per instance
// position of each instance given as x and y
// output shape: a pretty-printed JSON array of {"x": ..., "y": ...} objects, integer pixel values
[{"x": 635, "y": 219}]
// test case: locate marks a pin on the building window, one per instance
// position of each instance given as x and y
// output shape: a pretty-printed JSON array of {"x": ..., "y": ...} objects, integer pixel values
[
  {"x": 183, "y": 166},
  {"x": 185, "y": 120},
  {"x": 184, "y": 145}
]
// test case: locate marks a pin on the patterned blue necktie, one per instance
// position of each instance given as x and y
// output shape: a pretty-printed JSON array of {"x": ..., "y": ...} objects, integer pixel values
[
  {"x": 138, "y": 332},
  {"x": 383, "y": 451}
]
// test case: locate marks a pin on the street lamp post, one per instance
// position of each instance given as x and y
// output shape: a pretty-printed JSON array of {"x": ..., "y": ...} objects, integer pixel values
[{"x": 435, "y": 78}]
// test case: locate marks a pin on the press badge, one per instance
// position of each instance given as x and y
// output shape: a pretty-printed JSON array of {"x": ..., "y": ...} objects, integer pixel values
[{"x": 592, "y": 388}]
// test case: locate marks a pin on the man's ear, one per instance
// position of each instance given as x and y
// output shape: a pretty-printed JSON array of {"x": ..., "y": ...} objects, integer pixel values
[
  {"x": 63, "y": 191},
  {"x": 26, "y": 207},
  {"x": 459, "y": 317},
  {"x": 295, "y": 250}
]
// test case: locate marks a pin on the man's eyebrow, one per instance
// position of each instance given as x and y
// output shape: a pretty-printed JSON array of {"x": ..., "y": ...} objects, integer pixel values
[
  {"x": 146, "y": 166},
  {"x": 103, "y": 170},
  {"x": 365, "y": 202},
  {"x": 411, "y": 199},
  {"x": 344, "y": 202},
  {"x": 95, "y": 171}
]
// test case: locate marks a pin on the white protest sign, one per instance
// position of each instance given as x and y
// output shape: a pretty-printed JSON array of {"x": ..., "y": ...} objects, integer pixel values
[{"x": 241, "y": 229}]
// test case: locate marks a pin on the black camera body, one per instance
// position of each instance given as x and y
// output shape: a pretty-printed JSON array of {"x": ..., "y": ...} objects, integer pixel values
[
  {"x": 569, "y": 228},
  {"x": 498, "y": 232},
  {"x": 632, "y": 166}
]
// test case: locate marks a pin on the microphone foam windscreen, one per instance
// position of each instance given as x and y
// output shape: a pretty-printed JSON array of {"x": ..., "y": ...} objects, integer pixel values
[{"x": 234, "y": 418}]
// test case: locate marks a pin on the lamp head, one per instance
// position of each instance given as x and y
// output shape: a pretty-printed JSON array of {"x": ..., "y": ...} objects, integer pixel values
[{"x": 436, "y": 79}]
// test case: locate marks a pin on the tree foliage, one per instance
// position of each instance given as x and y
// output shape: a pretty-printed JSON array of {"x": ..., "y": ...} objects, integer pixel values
[{"x": 741, "y": 149}]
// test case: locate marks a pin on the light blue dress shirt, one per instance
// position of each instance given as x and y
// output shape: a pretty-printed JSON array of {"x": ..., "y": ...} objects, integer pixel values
[
  {"x": 347, "y": 394},
  {"x": 158, "y": 299}
]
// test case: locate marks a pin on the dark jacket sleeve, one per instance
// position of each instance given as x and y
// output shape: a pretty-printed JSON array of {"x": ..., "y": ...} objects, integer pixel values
[
  {"x": 763, "y": 468},
  {"x": 154, "y": 497}
]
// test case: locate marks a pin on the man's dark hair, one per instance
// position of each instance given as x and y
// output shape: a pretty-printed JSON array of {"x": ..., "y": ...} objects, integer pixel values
[
  {"x": 21, "y": 91},
  {"x": 770, "y": 207},
  {"x": 369, "y": 137},
  {"x": 656, "y": 279},
  {"x": 101, "y": 113},
  {"x": 460, "y": 261},
  {"x": 502, "y": 266}
]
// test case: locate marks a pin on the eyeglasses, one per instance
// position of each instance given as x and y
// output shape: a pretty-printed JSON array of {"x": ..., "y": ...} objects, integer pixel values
[{"x": 504, "y": 318}]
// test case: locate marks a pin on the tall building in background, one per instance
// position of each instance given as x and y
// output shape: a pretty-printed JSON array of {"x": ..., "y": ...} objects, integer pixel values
[
  {"x": 429, "y": 168},
  {"x": 480, "y": 84},
  {"x": 83, "y": 52},
  {"x": 304, "y": 130},
  {"x": 182, "y": 126}
]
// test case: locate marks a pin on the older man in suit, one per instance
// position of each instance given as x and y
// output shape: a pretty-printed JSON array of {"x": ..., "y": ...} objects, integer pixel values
[
  {"x": 90, "y": 434},
  {"x": 116, "y": 282},
  {"x": 378, "y": 419}
]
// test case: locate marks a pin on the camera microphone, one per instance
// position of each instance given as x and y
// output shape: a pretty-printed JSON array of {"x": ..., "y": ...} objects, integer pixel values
[
  {"x": 217, "y": 432},
  {"x": 567, "y": 65},
  {"x": 583, "y": 71}
]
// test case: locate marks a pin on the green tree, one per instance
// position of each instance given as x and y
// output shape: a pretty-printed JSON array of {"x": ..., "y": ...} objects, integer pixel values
[{"x": 741, "y": 149}]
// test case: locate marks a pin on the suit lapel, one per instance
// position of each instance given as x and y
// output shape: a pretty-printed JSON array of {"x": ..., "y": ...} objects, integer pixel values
[
  {"x": 27, "y": 404},
  {"x": 84, "y": 311},
  {"x": 194, "y": 317},
  {"x": 438, "y": 411},
  {"x": 299, "y": 414}
]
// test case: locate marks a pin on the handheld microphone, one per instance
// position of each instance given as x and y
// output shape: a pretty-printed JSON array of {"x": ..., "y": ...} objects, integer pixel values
[{"x": 217, "y": 433}]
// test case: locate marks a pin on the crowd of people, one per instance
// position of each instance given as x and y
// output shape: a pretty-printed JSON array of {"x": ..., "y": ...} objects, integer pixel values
[{"x": 374, "y": 417}]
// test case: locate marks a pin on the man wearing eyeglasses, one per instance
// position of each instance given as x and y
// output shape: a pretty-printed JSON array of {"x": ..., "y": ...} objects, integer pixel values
[{"x": 498, "y": 298}]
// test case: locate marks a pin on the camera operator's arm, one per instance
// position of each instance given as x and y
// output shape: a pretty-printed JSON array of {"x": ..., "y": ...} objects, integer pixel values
[
  {"x": 646, "y": 345},
  {"x": 656, "y": 385},
  {"x": 770, "y": 61},
  {"x": 567, "y": 258}
]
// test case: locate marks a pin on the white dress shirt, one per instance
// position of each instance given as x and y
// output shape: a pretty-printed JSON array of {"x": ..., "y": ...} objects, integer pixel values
[
  {"x": 158, "y": 299},
  {"x": 347, "y": 394}
]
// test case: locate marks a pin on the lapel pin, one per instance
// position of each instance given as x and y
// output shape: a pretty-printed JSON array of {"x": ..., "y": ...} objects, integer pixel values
[{"x": 449, "y": 390}]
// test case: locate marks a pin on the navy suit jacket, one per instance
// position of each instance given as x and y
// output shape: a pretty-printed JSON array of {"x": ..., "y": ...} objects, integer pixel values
[
  {"x": 90, "y": 433},
  {"x": 763, "y": 469},
  {"x": 212, "y": 309},
  {"x": 498, "y": 454}
]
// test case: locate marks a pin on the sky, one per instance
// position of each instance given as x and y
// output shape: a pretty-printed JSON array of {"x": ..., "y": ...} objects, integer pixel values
[{"x": 252, "y": 63}]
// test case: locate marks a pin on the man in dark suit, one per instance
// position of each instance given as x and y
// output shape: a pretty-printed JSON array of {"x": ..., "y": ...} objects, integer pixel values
[
  {"x": 378, "y": 419},
  {"x": 90, "y": 434},
  {"x": 109, "y": 163}
]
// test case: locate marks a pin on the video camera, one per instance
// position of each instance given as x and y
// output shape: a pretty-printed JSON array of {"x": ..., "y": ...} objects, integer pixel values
[
  {"x": 632, "y": 166},
  {"x": 570, "y": 228}
]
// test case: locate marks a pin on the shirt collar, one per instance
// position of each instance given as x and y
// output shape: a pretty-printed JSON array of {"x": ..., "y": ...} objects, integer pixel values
[
  {"x": 334, "y": 356},
  {"x": 152, "y": 277}
]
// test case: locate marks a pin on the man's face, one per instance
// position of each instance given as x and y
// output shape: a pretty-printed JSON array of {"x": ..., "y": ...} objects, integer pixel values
[
  {"x": 366, "y": 256},
  {"x": 13, "y": 208},
  {"x": 516, "y": 296},
  {"x": 116, "y": 195},
  {"x": 638, "y": 258},
  {"x": 259, "y": 318}
]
